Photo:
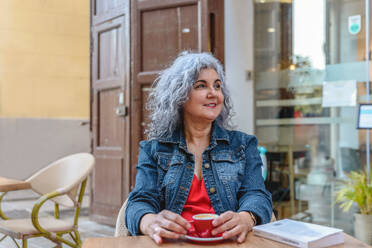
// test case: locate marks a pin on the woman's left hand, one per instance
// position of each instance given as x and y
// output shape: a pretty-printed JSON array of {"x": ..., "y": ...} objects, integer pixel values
[{"x": 233, "y": 224}]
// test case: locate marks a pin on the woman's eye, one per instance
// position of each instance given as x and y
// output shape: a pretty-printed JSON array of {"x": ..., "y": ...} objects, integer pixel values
[
  {"x": 199, "y": 86},
  {"x": 217, "y": 86}
]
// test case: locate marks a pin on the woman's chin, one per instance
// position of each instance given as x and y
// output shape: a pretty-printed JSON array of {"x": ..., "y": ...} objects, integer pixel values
[
  {"x": 209, "y": 119},
  {"x": 204, "y": 117}
]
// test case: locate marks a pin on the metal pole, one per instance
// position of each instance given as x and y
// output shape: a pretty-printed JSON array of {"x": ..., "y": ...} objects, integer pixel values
[{"x": 368, "y": 87}]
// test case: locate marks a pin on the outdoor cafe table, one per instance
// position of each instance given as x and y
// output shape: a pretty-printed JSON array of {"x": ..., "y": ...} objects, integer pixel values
[
  {"x": 252, "y": 241},
  {"x": 7, "y": 184}
]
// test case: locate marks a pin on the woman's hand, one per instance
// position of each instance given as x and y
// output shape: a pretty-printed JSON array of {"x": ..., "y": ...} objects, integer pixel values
[
  {"x": 165, "y": 224},
  {"x": 233, "y": 224}
]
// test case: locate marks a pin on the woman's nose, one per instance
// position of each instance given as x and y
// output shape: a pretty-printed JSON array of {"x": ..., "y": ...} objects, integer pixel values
[{"x": 212, "y": 92}]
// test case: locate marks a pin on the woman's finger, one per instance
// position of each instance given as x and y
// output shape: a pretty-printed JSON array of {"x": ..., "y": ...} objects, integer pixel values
[
  {"x": 225, "y": 226},
  {"x": 172, "y": 226},
  {"x": 164, "y": 233},
  {"x": 233, "y": 232},
  {"x": 223, "y": 218},
  {"x": 242, "y": 237},
  {"x": 176, "y": 218},
  {"x": 157, "y": 238}
]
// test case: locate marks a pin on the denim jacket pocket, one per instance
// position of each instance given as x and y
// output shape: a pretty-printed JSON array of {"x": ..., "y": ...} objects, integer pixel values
[
  {"x": 168, "y": 166},
  {"x": 230, "y": 165}
]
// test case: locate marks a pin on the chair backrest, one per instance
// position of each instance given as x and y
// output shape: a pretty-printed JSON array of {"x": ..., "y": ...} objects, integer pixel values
[
  {"x": 64, "y": 175},
  {"x": 121, "y": 229},
  {"x": 273, "y": 218}
]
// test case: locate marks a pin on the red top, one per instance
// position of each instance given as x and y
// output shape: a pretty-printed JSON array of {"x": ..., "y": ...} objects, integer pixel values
[{"x": 198, "y": 200}]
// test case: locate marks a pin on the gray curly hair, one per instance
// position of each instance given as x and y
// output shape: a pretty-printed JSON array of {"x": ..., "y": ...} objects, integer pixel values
[{"x": 170, "y": 91}]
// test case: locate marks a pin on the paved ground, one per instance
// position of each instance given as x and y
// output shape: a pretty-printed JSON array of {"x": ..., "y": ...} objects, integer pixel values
[{"x": 19, "y": 205}]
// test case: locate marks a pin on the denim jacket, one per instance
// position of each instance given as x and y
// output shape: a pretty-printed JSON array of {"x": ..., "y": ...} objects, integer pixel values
[{"x": 231, "y": 167}]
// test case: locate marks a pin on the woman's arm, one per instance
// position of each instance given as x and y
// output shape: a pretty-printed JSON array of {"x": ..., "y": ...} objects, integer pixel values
[
  {"x": 145, "y": 197},
  {"x": 255, "y": 206},
  {"x": 252, "y": 195},
  {"x": 144, "y": 214}
]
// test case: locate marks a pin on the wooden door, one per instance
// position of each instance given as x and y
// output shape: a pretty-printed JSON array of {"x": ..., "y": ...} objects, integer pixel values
[
  {"x": 161, "y": 29},
  {"x": 110, "y": 94}
]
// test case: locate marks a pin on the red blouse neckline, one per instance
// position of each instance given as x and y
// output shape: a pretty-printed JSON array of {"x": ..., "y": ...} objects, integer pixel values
[{"x": 197, "y": 201}]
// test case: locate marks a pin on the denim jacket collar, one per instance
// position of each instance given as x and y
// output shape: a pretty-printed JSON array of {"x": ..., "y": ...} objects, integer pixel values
[
  {"x": 218, "y": 134},
  {"x": 178, "y": 137}
]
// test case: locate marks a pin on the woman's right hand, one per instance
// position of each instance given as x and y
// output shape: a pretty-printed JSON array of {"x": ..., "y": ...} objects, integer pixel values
[{"x": 165, "y": 224}]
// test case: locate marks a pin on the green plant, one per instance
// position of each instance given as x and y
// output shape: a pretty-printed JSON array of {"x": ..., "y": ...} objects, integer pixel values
[{"x": 357, "y": 190}]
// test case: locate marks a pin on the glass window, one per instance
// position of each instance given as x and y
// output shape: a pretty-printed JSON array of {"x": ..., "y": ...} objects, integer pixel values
[{"x": 310, "y": 74}]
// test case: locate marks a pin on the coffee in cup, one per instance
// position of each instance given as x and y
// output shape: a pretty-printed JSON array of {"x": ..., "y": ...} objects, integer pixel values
[{"x": 203, "y": 224}]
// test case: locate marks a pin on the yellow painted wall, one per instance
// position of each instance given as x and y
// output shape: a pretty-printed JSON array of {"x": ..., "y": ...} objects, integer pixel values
[{"x": 44, "y": 58}]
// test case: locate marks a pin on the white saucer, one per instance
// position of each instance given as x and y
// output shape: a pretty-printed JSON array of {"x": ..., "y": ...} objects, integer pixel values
[{"x": 203, "y": 240}]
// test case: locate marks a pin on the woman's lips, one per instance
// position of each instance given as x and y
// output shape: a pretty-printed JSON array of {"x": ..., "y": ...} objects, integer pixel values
[{"x": 210, "y": 105}]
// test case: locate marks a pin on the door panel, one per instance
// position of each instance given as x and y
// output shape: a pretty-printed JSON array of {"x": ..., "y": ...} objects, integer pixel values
[
  {"x": 104, "y": 10},
  {"x": 170, "y": 31},
  {"x": 108, "y": 48},
  {"x": 110, "y": 123},
  {"x": 111, "y": 129},
  {"x": 104, "y": 6},
  {"x": 107, "y": 170},
  {"x": 189, "y": 27},
  {"x": 160, "y": 31},
  {"x": 216, "y": 23}
]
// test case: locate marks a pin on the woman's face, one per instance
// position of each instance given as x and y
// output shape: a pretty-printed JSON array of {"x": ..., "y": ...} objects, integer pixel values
[{"x": 206, "y": 98}]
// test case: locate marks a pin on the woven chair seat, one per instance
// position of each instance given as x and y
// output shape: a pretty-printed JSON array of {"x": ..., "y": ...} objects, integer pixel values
[{"x": 21, "y": 227}]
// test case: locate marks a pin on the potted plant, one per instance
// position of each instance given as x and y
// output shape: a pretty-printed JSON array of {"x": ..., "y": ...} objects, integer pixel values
[{"x": 358, "y": 190}]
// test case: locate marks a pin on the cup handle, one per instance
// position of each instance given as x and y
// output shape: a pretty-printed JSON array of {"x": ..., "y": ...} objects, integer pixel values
[
  {"x": 192, "y": 229},
  {"x": 192, "y": 224}
]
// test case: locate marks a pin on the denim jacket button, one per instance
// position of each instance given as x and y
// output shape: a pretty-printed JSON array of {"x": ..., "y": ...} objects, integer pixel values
[
  {"x": 206, "y": 165},
  {"x": 212, "y": 190}
]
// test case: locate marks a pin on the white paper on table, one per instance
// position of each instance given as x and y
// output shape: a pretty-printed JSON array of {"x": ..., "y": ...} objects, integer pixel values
[
  {"x": 300, "y": 234},
  {"x": 339, "y": 93}
]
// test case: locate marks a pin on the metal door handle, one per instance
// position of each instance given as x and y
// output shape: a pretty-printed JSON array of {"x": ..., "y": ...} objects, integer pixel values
[
  {"x": 121, "y": 110},
  {"x": 83, "y": 123}
]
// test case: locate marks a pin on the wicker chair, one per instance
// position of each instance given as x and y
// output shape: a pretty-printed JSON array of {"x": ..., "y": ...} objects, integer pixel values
[
  {"x": 62, "y": 182},
  {"x": 121, "y": 228}
]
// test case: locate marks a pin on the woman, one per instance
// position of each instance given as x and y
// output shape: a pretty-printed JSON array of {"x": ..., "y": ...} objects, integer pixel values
[{"x": 191, "y": 162}]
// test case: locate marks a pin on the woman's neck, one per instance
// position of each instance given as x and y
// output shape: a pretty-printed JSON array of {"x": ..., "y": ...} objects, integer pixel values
[{"x": 197, "y": 132}]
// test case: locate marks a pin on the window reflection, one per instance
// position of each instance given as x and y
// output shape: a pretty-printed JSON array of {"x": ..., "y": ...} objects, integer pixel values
[{"x": 299, "y": 47}]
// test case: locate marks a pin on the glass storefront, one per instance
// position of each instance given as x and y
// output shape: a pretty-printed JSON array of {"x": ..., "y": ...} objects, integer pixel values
[{"x": 310, "y": 74}]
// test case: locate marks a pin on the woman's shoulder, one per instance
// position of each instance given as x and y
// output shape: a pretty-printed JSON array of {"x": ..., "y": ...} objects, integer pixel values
[
  {"x": 149, "y": 146},
  {"x": 236, "y": 134},
  {"x": 154, "y": 146},
  {"x": 148, "y": 143},
  {"x": 239, "y": 137}
]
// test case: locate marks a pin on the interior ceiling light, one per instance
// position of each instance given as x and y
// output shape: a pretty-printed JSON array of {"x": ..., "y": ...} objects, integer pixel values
[{"x": 271, "y": 30}]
